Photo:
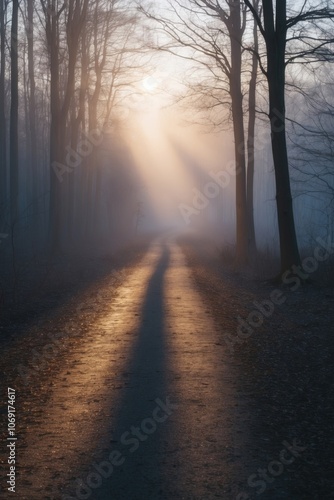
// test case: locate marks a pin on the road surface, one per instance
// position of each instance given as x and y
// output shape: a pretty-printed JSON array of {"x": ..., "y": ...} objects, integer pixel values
[{"x": 140, "y": 406}]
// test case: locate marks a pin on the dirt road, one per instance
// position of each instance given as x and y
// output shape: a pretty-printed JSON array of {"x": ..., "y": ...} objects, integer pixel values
[{"x": 139, "y": 400}]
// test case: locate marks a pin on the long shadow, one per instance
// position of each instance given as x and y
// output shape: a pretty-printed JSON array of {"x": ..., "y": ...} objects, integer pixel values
[{"x": 139, "y": 477}]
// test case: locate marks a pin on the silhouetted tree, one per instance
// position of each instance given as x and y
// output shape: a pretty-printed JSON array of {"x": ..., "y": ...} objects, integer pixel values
[{"x": 309, "y": 43}]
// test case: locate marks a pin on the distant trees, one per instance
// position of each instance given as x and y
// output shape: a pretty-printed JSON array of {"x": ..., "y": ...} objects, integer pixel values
[
  {"x": 312, "y": 135},
  {"x": 105, "y": 48},
  {"x": 61, "y": 97},
  {"x": 65, "y": 68}
]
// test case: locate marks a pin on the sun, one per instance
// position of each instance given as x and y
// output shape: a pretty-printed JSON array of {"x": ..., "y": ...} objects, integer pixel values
[{"x": 150, "y": 83}]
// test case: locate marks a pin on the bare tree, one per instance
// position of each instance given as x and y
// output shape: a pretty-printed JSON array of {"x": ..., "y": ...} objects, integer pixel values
[{"x": 14, "y": 114}]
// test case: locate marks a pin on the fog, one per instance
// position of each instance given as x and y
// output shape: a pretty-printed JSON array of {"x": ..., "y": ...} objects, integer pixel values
[{"x": 145, "y": 140}]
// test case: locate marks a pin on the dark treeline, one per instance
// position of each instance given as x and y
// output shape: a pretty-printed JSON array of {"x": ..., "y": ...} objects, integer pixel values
[{"x": 65, "y": 69}]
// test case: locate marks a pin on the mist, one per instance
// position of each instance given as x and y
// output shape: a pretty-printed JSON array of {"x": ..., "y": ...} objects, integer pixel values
[{"x": 166, "y": 248}]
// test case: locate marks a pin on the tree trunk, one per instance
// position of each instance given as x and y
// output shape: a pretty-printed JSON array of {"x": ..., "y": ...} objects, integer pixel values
[
  {"x": 32, "y": 105},
  {"x": 236, "y": 31},
  {"x": 276, "y": 44},
  {"x": 56, "y": 151},
  {"x": 250, "y": 141},
  {"x": 95, "y": 180},
  {"x": 3, "y": 132},
  {"x": 13, "y": 133}
]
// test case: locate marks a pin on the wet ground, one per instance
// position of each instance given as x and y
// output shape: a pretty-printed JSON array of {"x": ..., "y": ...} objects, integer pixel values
[{"x": 130, "y": 391}]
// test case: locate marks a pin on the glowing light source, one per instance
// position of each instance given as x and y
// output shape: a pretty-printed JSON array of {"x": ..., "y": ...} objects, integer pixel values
[{"x": 150, "y": 84}]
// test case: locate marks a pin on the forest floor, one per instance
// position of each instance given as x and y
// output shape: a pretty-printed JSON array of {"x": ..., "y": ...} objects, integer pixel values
[{"x": 141, "y": 384}]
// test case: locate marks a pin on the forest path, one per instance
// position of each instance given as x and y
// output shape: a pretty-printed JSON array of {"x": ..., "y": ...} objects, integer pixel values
[{"x": 148, "y": 391}]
